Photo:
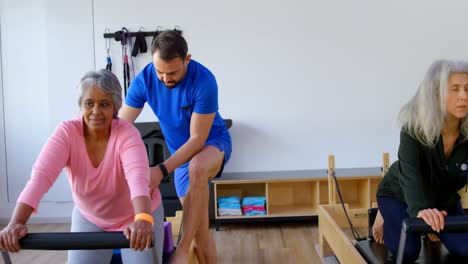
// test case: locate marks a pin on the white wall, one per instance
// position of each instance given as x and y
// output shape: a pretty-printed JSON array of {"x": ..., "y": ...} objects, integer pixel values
[
  {"x": 70, "y": 52},
  {"x": 304, "y": 79},
  {"x": 3, "y": 177},
  {"x": 300, "y": 79},
  {"x": 46, "y": 48},
  {"x": 24, "y": 65}
]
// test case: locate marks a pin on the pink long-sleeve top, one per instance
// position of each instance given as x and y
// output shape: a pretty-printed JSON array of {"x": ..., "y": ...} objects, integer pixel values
[{"x": 104, "y": 194}]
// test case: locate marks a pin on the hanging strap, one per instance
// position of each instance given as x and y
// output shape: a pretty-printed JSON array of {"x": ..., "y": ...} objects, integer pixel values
[
  {"x": 126, "y": 67},
  {"x": 107, "y": 46},
  {"x": 136, "y": 45},
  {"x": 142, "y": 39},
  {"x": 140, "y": 43}
]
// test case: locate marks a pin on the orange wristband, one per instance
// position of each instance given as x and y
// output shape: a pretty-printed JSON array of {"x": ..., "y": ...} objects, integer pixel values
[{"x": 145, "y": 217}]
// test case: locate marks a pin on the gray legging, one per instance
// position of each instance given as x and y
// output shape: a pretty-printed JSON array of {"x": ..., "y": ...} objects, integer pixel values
[{"x": 154, "y": 255}]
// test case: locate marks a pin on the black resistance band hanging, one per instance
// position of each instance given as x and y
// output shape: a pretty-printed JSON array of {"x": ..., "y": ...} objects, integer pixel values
[
  {"x": 108, "y": 58},
  {"x": 125, "y": 38},
  {"x": 126, "y": 67}
]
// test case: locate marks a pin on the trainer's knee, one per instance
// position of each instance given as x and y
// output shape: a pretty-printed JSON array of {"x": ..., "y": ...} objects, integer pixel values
[{"x": 198, "y": 173}]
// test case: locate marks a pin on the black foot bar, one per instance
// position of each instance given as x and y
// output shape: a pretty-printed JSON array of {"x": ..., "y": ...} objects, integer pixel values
[
  {"x": 453, "y": 224},
  {"x": 72, "y": 241}
]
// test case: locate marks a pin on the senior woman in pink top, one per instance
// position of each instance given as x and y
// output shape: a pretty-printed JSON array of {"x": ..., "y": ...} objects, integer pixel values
[{"x": 107, "y": 167}]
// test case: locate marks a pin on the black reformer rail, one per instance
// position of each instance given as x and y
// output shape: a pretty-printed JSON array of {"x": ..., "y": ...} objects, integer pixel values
[{"x": 71, "y": 241}]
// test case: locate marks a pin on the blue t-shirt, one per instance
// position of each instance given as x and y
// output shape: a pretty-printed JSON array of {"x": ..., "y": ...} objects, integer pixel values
[{"x": 197, "y": 92}]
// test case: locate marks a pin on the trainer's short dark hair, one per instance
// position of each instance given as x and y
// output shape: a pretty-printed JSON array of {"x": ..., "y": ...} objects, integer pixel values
[{"x": 170, "y": 45}]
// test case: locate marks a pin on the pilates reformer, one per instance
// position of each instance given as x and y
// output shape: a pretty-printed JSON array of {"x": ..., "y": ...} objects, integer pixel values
[
  {"x": 431, "y": 251},
  {"x": 71, "y": 241},
  {"x": 335, "y": 228}
]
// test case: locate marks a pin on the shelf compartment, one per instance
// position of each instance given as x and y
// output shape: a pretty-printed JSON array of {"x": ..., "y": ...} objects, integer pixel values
[
  {"x": 322, "y": 189},
  {"x": 292, "y": 210},
  {"x": 292, "y": 198},
  {"x": 239, "y": 189},
  {"x": 355, "y": 192}
]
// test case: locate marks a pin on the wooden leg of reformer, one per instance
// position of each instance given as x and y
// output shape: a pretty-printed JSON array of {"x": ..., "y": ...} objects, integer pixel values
[
  {"x": 385, "y": 163},
  {"x": 331, "y": 180},
  {"x": 324, "y": 247}
]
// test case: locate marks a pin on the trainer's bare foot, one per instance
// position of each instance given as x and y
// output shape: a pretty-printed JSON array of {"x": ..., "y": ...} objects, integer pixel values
[{"x": 180, "y": 257}]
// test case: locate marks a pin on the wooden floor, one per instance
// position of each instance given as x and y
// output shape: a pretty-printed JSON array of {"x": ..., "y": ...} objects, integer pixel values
[
  {"x": 236, "y": 243},
  {"x": 267, "y": 243}
]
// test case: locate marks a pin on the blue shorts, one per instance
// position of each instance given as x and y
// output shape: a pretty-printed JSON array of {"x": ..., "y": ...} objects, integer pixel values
[{"x": 181, "y": 175}]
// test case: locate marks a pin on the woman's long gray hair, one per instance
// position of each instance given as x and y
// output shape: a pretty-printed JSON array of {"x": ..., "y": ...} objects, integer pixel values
[
  {"x": 424, "y": 115},
  {"x": 104, "y": 80}
]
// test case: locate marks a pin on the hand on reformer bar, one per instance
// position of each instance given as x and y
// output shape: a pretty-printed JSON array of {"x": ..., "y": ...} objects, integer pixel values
[
  {"x": 10, "y": 236},
  {"x": 434, "y": 218},
  {"x": 140, "y": 234}
]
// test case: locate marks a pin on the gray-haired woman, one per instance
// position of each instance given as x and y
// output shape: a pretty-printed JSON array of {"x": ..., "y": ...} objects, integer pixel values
[
  {"x": 107, "y": 167},
  {"x": 433, "y": 160}
]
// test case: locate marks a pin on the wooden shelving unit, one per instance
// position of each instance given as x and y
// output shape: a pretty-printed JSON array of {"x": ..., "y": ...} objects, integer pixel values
[{"x": 294, "y": 195}]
